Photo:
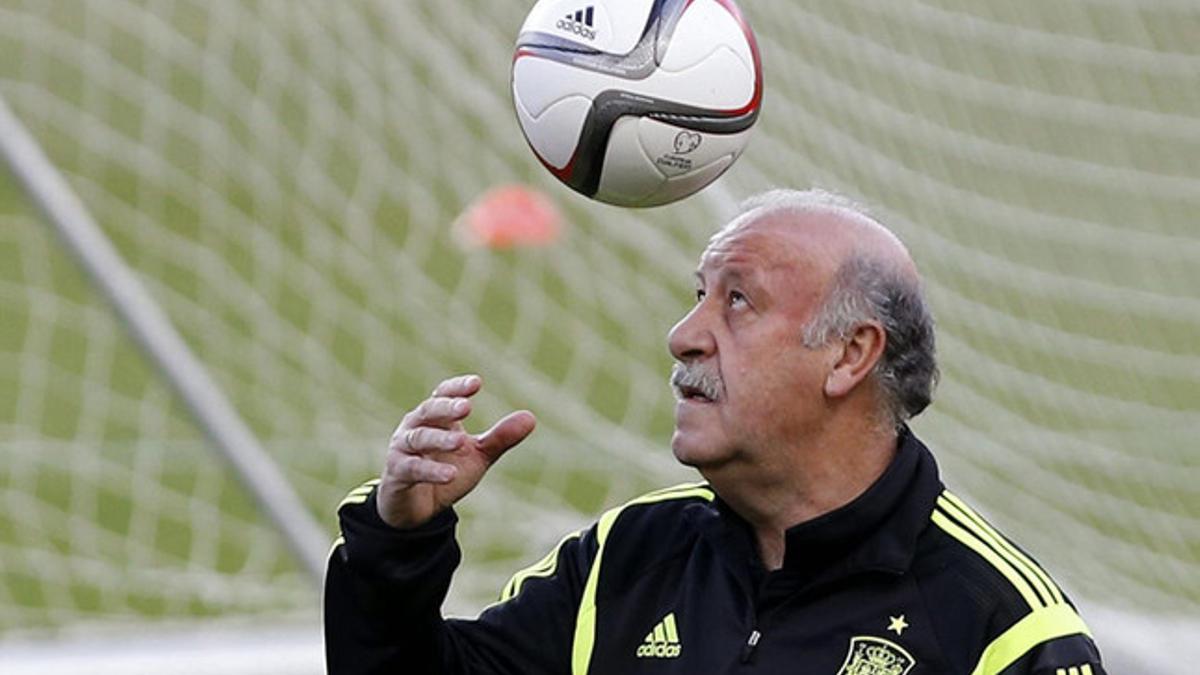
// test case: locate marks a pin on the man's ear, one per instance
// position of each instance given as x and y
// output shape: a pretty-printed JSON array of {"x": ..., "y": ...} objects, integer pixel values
[{"x": 858, "y": 356}]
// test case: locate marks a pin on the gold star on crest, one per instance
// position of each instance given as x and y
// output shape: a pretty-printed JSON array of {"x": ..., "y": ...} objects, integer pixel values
[{"x": 897, "y": 624}]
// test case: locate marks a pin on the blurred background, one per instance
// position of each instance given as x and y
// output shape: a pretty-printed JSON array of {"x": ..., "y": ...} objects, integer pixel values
[{"x": 283, "y": 176}]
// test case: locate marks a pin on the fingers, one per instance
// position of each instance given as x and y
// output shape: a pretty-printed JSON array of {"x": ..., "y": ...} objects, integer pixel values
[
  {"x": 463, "y": 385},
  {"x": 446, "y": 405},
  {"x": 408, "y": 470},
  {"x": 434, "y": 427},
  {"x": 438, "y": 411},
  {"x": 506, "y": 433},
  {"x": 425, "y": 440}
]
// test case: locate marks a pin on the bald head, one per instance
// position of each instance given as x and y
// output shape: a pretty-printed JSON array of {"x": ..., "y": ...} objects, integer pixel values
[
  {"x": 828, "y": 224},
  {"x": 868, "y": 276}
]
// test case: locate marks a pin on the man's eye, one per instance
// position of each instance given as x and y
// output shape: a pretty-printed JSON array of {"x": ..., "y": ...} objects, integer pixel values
[
  {"x": 736, "y": 298},
  {"x": 699, "y": 294}
]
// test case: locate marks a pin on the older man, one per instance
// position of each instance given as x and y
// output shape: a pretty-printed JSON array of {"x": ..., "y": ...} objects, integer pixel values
[{"x": 822, "y": 540}]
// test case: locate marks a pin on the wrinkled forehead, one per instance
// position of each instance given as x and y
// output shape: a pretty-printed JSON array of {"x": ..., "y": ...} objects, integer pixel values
[{"x": 766, "y": 243}]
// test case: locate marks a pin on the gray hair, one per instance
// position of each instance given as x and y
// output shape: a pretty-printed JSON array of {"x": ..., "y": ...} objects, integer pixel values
[
  {"x": 868, "y": 289},
  {"x": 865, "y": 290}
]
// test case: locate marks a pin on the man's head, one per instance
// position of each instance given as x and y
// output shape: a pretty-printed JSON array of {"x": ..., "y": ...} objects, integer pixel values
[{"x": 809, "y": 315}]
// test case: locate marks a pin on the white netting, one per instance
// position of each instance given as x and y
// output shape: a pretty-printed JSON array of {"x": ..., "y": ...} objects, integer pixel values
[{"x": 283, "y": 176}]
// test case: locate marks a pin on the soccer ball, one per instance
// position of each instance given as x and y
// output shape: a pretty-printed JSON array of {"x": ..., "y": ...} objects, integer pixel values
[{"x": 636, "y": 102}]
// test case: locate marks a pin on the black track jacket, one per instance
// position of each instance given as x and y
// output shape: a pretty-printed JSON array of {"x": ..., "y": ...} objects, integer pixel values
[{"x": 904, "y": 580}]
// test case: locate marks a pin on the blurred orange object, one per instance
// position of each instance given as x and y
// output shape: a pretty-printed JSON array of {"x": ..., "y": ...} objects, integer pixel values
[{"x": 510, "y": 216}]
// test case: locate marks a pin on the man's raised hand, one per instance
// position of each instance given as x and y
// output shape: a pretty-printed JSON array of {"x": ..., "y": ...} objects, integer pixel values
[{"x": 432, "y": 462}]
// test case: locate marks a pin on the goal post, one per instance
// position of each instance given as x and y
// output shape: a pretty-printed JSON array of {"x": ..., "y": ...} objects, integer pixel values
[{"x": 159, "y": 340}]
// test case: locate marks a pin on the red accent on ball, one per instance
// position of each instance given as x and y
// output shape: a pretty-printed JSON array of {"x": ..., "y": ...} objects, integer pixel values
[{"x": 756, "y": 99}]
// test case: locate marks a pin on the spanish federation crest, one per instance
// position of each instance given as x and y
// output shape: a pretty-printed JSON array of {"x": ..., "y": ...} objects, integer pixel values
[{"x": 876, "y": 656}]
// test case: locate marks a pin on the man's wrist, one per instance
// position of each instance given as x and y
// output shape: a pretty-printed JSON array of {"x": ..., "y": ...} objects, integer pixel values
[{"x": 367, "y": 514}]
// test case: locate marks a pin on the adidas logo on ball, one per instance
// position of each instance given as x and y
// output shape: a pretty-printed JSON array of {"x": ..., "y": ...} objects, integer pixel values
[{"x": 579, "y": 23}]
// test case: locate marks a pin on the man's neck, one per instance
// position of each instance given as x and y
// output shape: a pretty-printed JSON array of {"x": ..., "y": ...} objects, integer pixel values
[{"x": 814, "y": 477}]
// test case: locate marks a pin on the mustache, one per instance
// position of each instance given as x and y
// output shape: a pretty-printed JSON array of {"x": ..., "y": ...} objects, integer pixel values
[{"x": 697, "y": 377}]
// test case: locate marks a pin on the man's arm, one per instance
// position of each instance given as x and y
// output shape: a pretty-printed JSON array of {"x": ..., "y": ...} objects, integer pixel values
[
  {"x": 1063, "y": 656},
  {"x": 1050, "y": 640},
  {"x": 384, "y": 590},
  {"x": 390, "y": 570},
  {"x": 385, "y": 587}
]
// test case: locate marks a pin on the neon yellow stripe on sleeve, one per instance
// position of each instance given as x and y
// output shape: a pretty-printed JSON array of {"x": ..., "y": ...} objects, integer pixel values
[
  {"x": 1006, "y": 547},
  {"x": 973, "y": 543},
  {"x": 340, "y": 541},
  {"x": 542, "y": 568},
  {"x": 994, "y": 541},
  {"x": 1037, "y": 627},
  {"x": 359, "y": 494},
  {"x": 585, "y": 622}
]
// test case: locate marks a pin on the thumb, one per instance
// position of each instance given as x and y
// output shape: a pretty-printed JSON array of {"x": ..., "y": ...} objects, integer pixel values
[{"x": 506, "y": 433}]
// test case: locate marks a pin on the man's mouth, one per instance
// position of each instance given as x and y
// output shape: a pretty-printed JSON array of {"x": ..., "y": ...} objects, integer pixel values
[
  {"x": 693, "y": 383},
  {"x": 692, "y": 394}
]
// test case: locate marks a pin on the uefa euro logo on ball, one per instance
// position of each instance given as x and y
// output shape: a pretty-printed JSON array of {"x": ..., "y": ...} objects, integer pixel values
[{"x": 636, "y": 102}]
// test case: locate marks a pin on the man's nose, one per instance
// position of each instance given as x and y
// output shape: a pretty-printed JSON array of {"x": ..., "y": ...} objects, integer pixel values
[{"x": 691, "y": 339}]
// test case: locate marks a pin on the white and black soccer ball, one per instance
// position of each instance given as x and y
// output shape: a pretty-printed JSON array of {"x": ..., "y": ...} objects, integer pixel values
[{"x": 636, "y": 102}]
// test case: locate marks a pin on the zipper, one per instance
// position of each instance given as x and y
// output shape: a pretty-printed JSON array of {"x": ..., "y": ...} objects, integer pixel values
[{"x": 751, "y": 643}]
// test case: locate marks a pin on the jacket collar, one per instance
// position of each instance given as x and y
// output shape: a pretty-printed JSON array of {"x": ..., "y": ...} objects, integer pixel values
[{"x": 877, "y": 531}]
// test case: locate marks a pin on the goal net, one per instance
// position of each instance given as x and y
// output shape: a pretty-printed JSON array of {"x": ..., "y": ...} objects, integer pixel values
[{"x": 284, "y": 175}]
